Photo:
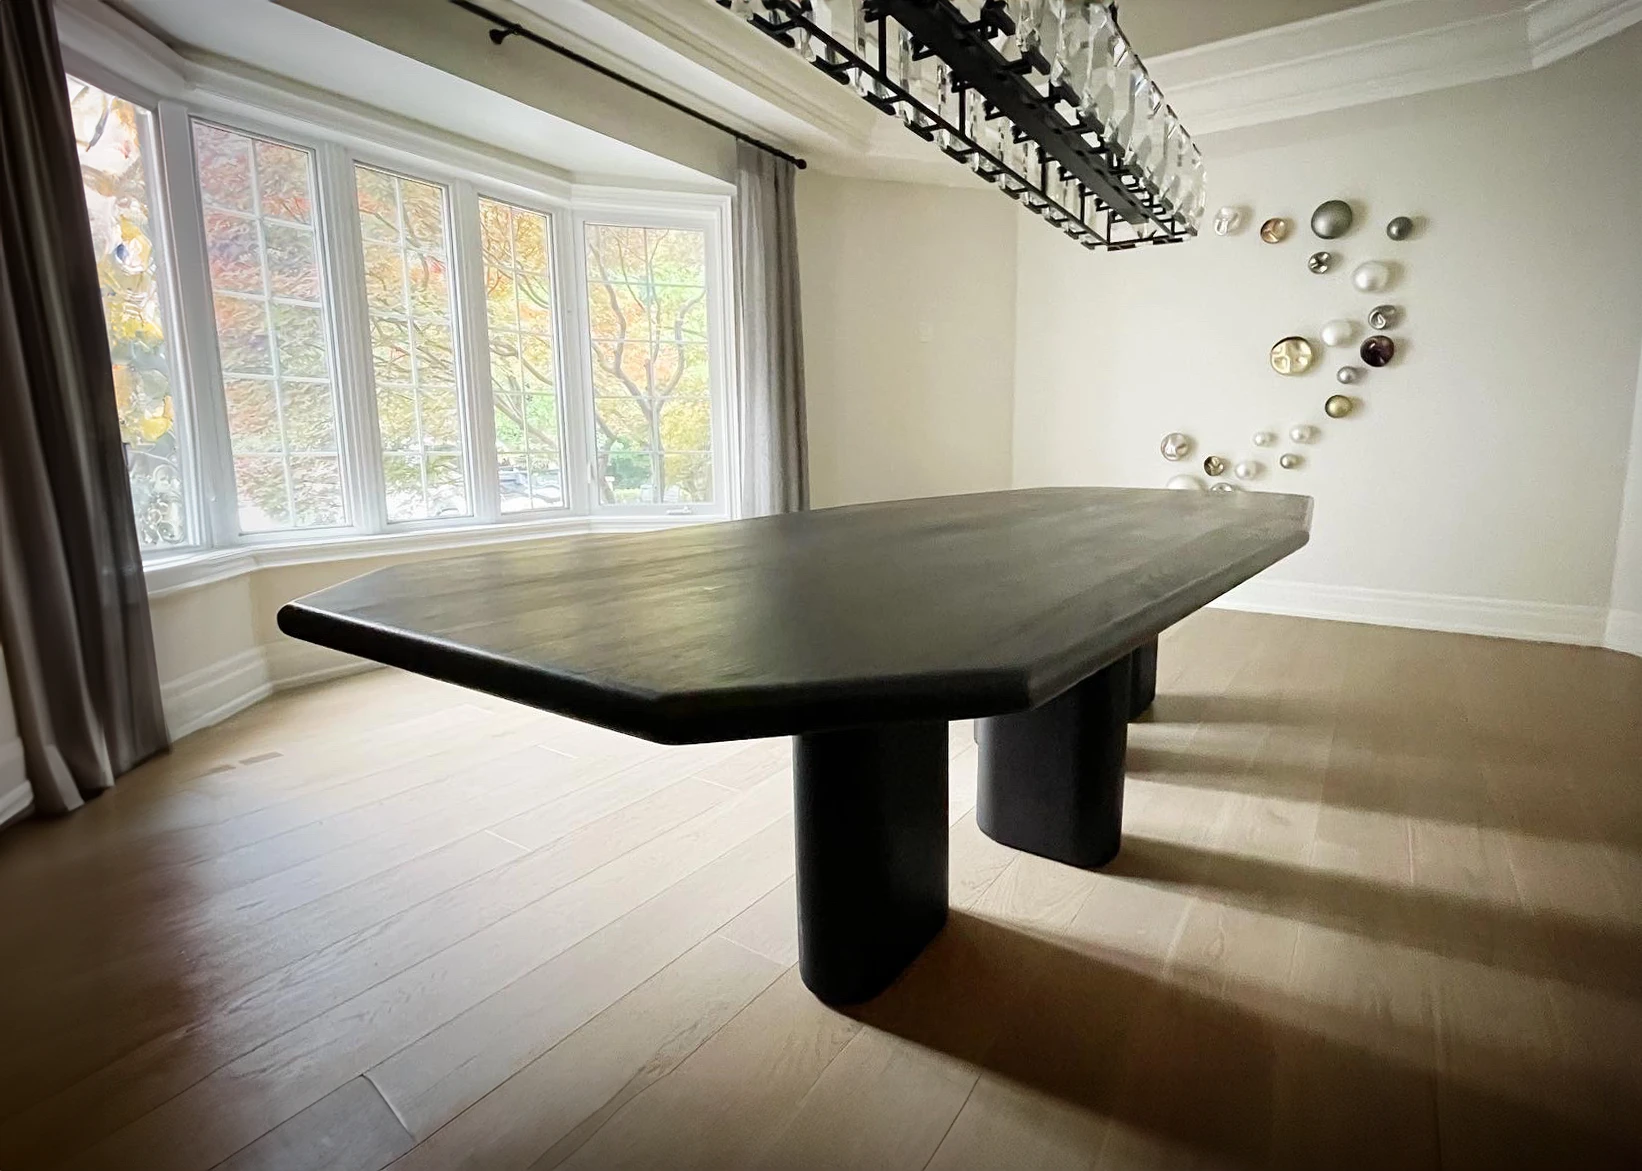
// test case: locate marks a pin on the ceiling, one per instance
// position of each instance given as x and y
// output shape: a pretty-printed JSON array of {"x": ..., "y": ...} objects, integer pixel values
[
  {"x": 1156, "y": 27},
  {"x": 290, "y": 45}
]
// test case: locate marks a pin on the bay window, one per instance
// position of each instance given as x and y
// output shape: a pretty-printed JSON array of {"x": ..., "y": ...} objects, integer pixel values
[{"x": 381, "y": 341}]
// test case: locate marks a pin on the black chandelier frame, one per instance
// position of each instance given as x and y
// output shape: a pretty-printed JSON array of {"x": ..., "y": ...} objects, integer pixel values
[{"x": 1115, "y": 209}]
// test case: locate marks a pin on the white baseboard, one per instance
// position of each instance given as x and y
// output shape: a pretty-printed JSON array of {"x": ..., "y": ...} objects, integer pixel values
[
  {"x": 15, "y": 794},
  {"x": 1624, "y": 631},
  {"x": 293, "y": 663},
  {"x": 1497, "y": 617},
  {"x": 213, "y": 693}
]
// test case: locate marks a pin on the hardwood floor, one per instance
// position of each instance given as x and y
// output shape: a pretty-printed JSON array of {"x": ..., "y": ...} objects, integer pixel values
[{"x": 1379, "y": 904}]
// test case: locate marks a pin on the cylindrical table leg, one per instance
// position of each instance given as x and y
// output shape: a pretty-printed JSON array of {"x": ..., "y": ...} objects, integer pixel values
[
  {"x": 1051, "y": 779},
  {"x": 1142, "y": 679},
  {"x": 870, "y": 806}
]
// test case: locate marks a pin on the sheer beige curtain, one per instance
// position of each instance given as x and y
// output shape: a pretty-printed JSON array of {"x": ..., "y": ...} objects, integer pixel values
[
  {"x": 79, "y": 649},
  {"x": 769, "y": 336}
]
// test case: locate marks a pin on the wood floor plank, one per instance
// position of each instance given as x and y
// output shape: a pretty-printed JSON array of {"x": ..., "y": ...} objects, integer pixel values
[
  {"x": 1379, "y": 904},
  {"x": 562, "y": 1097},
  {"x": 349, "y": 1129}
]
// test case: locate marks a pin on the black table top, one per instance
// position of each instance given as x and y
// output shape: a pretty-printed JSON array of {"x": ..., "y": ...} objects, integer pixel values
[{"x": 941, "y": 608}]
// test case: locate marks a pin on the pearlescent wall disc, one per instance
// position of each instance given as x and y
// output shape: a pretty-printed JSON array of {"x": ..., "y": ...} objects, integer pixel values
[
  {"x": 1346, "y": 375},
  {"x": 1383, "y": 316},
  {"x": 1378, "y": 350},
  {"x": 1303, "y": 433},
  {"x": 1400, "y": 228},
  {"x": 1185, "y": 484},
  {"x": 1274, "y": 230},
  {"x": 1223, "y": 486},
  {"x": 1227, "y": 220},
  {"x": 1370, "y": 276},
  {"x": 1214, "y": 465},
  {"x": 1338, "y": 406},
  {"x": 1292, "y": 355},
  {"x": 1263, "y": 439},
  {"x": 1332, "y": 219},
  {"x": 1247, "y": 469},
  {"x": 1339, "y": 332},
  {"x": 1289, "y": 461},
  {"x": 1320, "y": 262},
  {"x": 1176, "y": 446}
]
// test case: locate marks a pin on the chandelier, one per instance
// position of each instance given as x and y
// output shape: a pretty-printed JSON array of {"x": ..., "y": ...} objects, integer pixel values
[{"x": 1046, "y": 99}]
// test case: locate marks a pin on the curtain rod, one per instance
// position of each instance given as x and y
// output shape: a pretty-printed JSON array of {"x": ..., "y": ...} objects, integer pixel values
[{"x": 505, "y": 28}]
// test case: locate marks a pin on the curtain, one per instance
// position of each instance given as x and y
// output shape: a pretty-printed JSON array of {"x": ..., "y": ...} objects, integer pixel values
[
  {"x": 79, "y": 648},
  {"x": 769, "y": 336}
]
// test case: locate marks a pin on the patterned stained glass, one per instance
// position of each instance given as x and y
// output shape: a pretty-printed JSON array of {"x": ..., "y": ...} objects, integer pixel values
[
  {"x": 413, "y": 357},
  {"x": 111, "y": 137},
  {"x": 272, "y": 333},
  {"x": 519, "y": 314},
  {"x": 652, "y": 405}
]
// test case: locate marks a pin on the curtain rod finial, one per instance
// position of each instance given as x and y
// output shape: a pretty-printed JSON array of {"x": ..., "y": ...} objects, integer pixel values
[{"x": 498, "y": 35}]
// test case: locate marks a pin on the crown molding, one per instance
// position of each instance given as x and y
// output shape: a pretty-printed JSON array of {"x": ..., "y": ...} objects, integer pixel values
[
  {"x": 1559, "y": 28},
  {"x": 1391, "y": 49},
  {"x": 716, "y": 40}
]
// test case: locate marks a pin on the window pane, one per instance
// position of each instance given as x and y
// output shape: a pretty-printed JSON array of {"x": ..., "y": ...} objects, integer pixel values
[
  {"x": 272, "y": 333},
  {"x": 652, "y": 407},
  {"x": 111, "y": 135},
  {"x": 524, "y": 382},
  {"x": 413, "y": 356}
]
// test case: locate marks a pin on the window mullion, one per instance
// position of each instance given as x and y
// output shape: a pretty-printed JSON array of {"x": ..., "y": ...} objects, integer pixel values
[
  {"x": 198, "y": 349},
  {"x": 472, "y": 337},
  {"x": 356, "y": 395},
  {"x": 575, "y": 363}
]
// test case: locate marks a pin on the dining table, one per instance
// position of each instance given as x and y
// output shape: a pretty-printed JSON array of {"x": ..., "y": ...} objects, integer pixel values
[{"x": 860, "y": 631}]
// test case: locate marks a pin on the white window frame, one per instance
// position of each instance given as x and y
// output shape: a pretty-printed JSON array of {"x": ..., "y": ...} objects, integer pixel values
[
  {"x": 161, "y": 210},
  {"x": 341, "y": 136},
  {"x": 620, "y": 209}
]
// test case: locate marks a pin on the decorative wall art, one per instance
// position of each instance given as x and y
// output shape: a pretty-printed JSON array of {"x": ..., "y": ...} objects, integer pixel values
[
  {"x": 1176, "y": 446},
  {"x": 1228, "y": 220},
  {"x": 1378, "y": 350},
  {"x": 1296, "y": 354},
  {"x": 1339, "y": 332},
  {"x": 1332, "y": 219},
  {"x": 1292, "y": 355},
  {"x": 1370, "y": 276}
]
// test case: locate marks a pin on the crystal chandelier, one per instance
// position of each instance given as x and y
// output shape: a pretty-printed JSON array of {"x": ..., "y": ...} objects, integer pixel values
[{"x": 1046, "y": 99}]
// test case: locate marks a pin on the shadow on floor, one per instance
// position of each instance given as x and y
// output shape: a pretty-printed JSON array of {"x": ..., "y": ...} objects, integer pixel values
[
  {"x": 1600, "y": 955},
  {"x": 1195, "y": 1078},
  {"x": 1547, "y": 811}
]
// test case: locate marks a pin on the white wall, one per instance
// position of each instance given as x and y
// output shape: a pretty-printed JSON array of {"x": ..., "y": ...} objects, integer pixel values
[
  {"x": 1625, "y": 618},
  {"x": 1488, "y": 462},
  {"x": 909, "y": 305}
]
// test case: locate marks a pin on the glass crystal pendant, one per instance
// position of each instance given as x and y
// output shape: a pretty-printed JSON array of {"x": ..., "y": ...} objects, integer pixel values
[
  {"x": 1110, "y": 97},
  {"x": 1071, "y": 43}
]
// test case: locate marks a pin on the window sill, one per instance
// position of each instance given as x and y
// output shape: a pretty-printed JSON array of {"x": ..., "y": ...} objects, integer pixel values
[{"x": 173, "y": 575}]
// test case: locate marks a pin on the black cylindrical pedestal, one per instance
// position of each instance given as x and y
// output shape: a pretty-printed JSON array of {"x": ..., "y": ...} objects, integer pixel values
[
  {"x": 870, "y": 806},
  {"x": 1051, "y": 779},
  {"x": 1142, "y": 679}
]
